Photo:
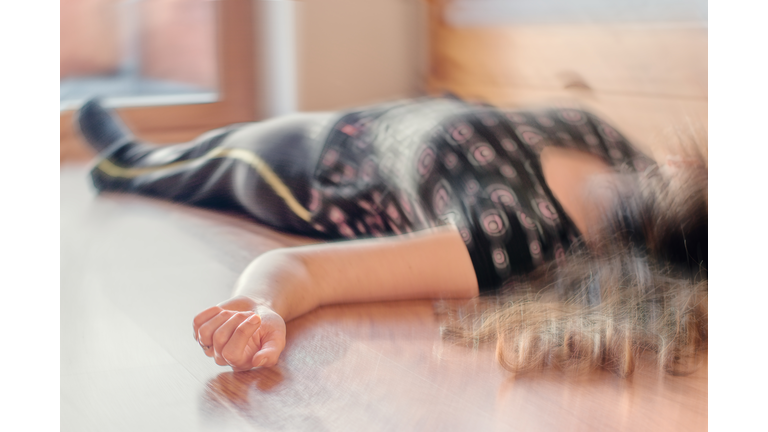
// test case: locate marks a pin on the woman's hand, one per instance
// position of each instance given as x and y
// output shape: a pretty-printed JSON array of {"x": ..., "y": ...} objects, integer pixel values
[{"x": 241, "y": 333}]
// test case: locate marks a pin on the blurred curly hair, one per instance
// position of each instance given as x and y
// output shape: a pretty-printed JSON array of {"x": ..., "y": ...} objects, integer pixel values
[{"x": 637, "y": 289}]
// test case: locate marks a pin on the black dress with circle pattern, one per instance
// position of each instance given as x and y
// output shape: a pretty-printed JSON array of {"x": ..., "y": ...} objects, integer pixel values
[{"x": 405, "y": 166}]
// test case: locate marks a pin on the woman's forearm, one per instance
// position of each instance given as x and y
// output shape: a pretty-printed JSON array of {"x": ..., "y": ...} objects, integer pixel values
[{"x": 429, "y": 264}]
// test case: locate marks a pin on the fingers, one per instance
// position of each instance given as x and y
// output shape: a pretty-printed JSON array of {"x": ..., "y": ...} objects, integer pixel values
[
  {"x": 237, "y": 352},
  {"x": 240, "y": 339},
  {"x": 203, "y": 317},
  {"x": 269, "y": 352},
  {"x": 241, "y": 331},
  {"x": 207, "y": 330}
]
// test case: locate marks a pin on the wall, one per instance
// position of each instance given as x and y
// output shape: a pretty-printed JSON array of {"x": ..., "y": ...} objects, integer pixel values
[
  {"x": 350, "y": 52},
  {"x": 647, "y": 78},
  {"x": 89, "y": 37},
  {"x": 354, "y": 52},
  {"x": 176, "y": 39}
]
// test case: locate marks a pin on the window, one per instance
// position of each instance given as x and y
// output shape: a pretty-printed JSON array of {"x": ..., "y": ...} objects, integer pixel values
[{"x": 133, "y": 55}]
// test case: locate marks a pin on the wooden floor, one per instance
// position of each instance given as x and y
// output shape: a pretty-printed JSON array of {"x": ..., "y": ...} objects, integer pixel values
[{"x": 135, "y": 271}]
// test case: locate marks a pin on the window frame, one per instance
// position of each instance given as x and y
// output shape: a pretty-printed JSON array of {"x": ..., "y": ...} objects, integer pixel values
[{"x": 237, "y": 92}]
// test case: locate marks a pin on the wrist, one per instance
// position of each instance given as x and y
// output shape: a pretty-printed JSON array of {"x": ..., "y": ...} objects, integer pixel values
[
  {"x": 277, "y": 281},
  {"x": 260, "y": 304}
]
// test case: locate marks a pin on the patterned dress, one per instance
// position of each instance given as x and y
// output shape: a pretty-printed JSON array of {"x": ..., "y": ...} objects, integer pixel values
[{"x": 411, "y": 165}]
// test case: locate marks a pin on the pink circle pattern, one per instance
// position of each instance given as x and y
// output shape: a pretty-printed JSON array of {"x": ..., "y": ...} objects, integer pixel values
[
  {"x": 461, "y": 133},
  {"x": 492, "y": 223},
  {"x": 482, "y": 153},
  {"x": 508, "y": 145},
  {"x": 500, "y": 258},
  {"x": 545, "y": 121},
  {"x": 426, "y": 161},
  {"x": 314, "y": 200},
  {"x": 450, "y": 160},
  {"x": 330, "y": 157},
  {"x": 507, "y": 171},
  {"x": 489, "y": 121},
  {"x": 516, "y": 118},
  {"x": 526, "y": 221},
  {"x": 471, "y": 186},
  {"x": 609, "y": 132},
  {"x": 503, "y": 195},
  {"x": 440, "y": 199},
  {"x": 465, "y": 235},
  {"x": 546, "y": 209},
  {"x": 535, "y": 249},
  {"x": 572, "y": 116}
]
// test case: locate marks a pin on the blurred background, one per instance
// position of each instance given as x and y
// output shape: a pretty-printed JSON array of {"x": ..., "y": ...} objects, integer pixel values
[
  {"x": 174, "y": 69},
  {"x": 177, "y": 68}
]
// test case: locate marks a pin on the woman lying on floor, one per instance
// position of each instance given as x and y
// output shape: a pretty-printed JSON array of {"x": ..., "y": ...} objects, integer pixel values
[{"x": 583, "y": 251}]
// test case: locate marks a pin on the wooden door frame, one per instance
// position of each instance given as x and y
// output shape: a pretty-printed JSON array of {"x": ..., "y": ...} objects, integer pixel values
[{"x": 235, "y": 53}]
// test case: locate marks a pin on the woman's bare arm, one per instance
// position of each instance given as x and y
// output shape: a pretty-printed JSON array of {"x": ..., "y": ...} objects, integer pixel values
[
  {"x": 286, "y": 283},
  {"x": 429, "y": 264}
]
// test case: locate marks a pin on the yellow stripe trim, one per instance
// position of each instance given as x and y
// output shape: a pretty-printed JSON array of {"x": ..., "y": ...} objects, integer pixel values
[{"x": 246, "y": 156}]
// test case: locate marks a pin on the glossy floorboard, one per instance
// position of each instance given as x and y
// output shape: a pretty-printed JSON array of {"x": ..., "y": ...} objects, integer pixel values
[{"x": 135, "y": 271}]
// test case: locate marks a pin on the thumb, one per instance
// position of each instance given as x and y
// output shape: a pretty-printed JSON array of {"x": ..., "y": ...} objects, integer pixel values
[{"x": 269, "y": 354}]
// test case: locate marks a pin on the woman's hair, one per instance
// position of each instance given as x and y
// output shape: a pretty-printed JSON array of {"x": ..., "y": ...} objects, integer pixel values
[{"x": 639, "y": 290}]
